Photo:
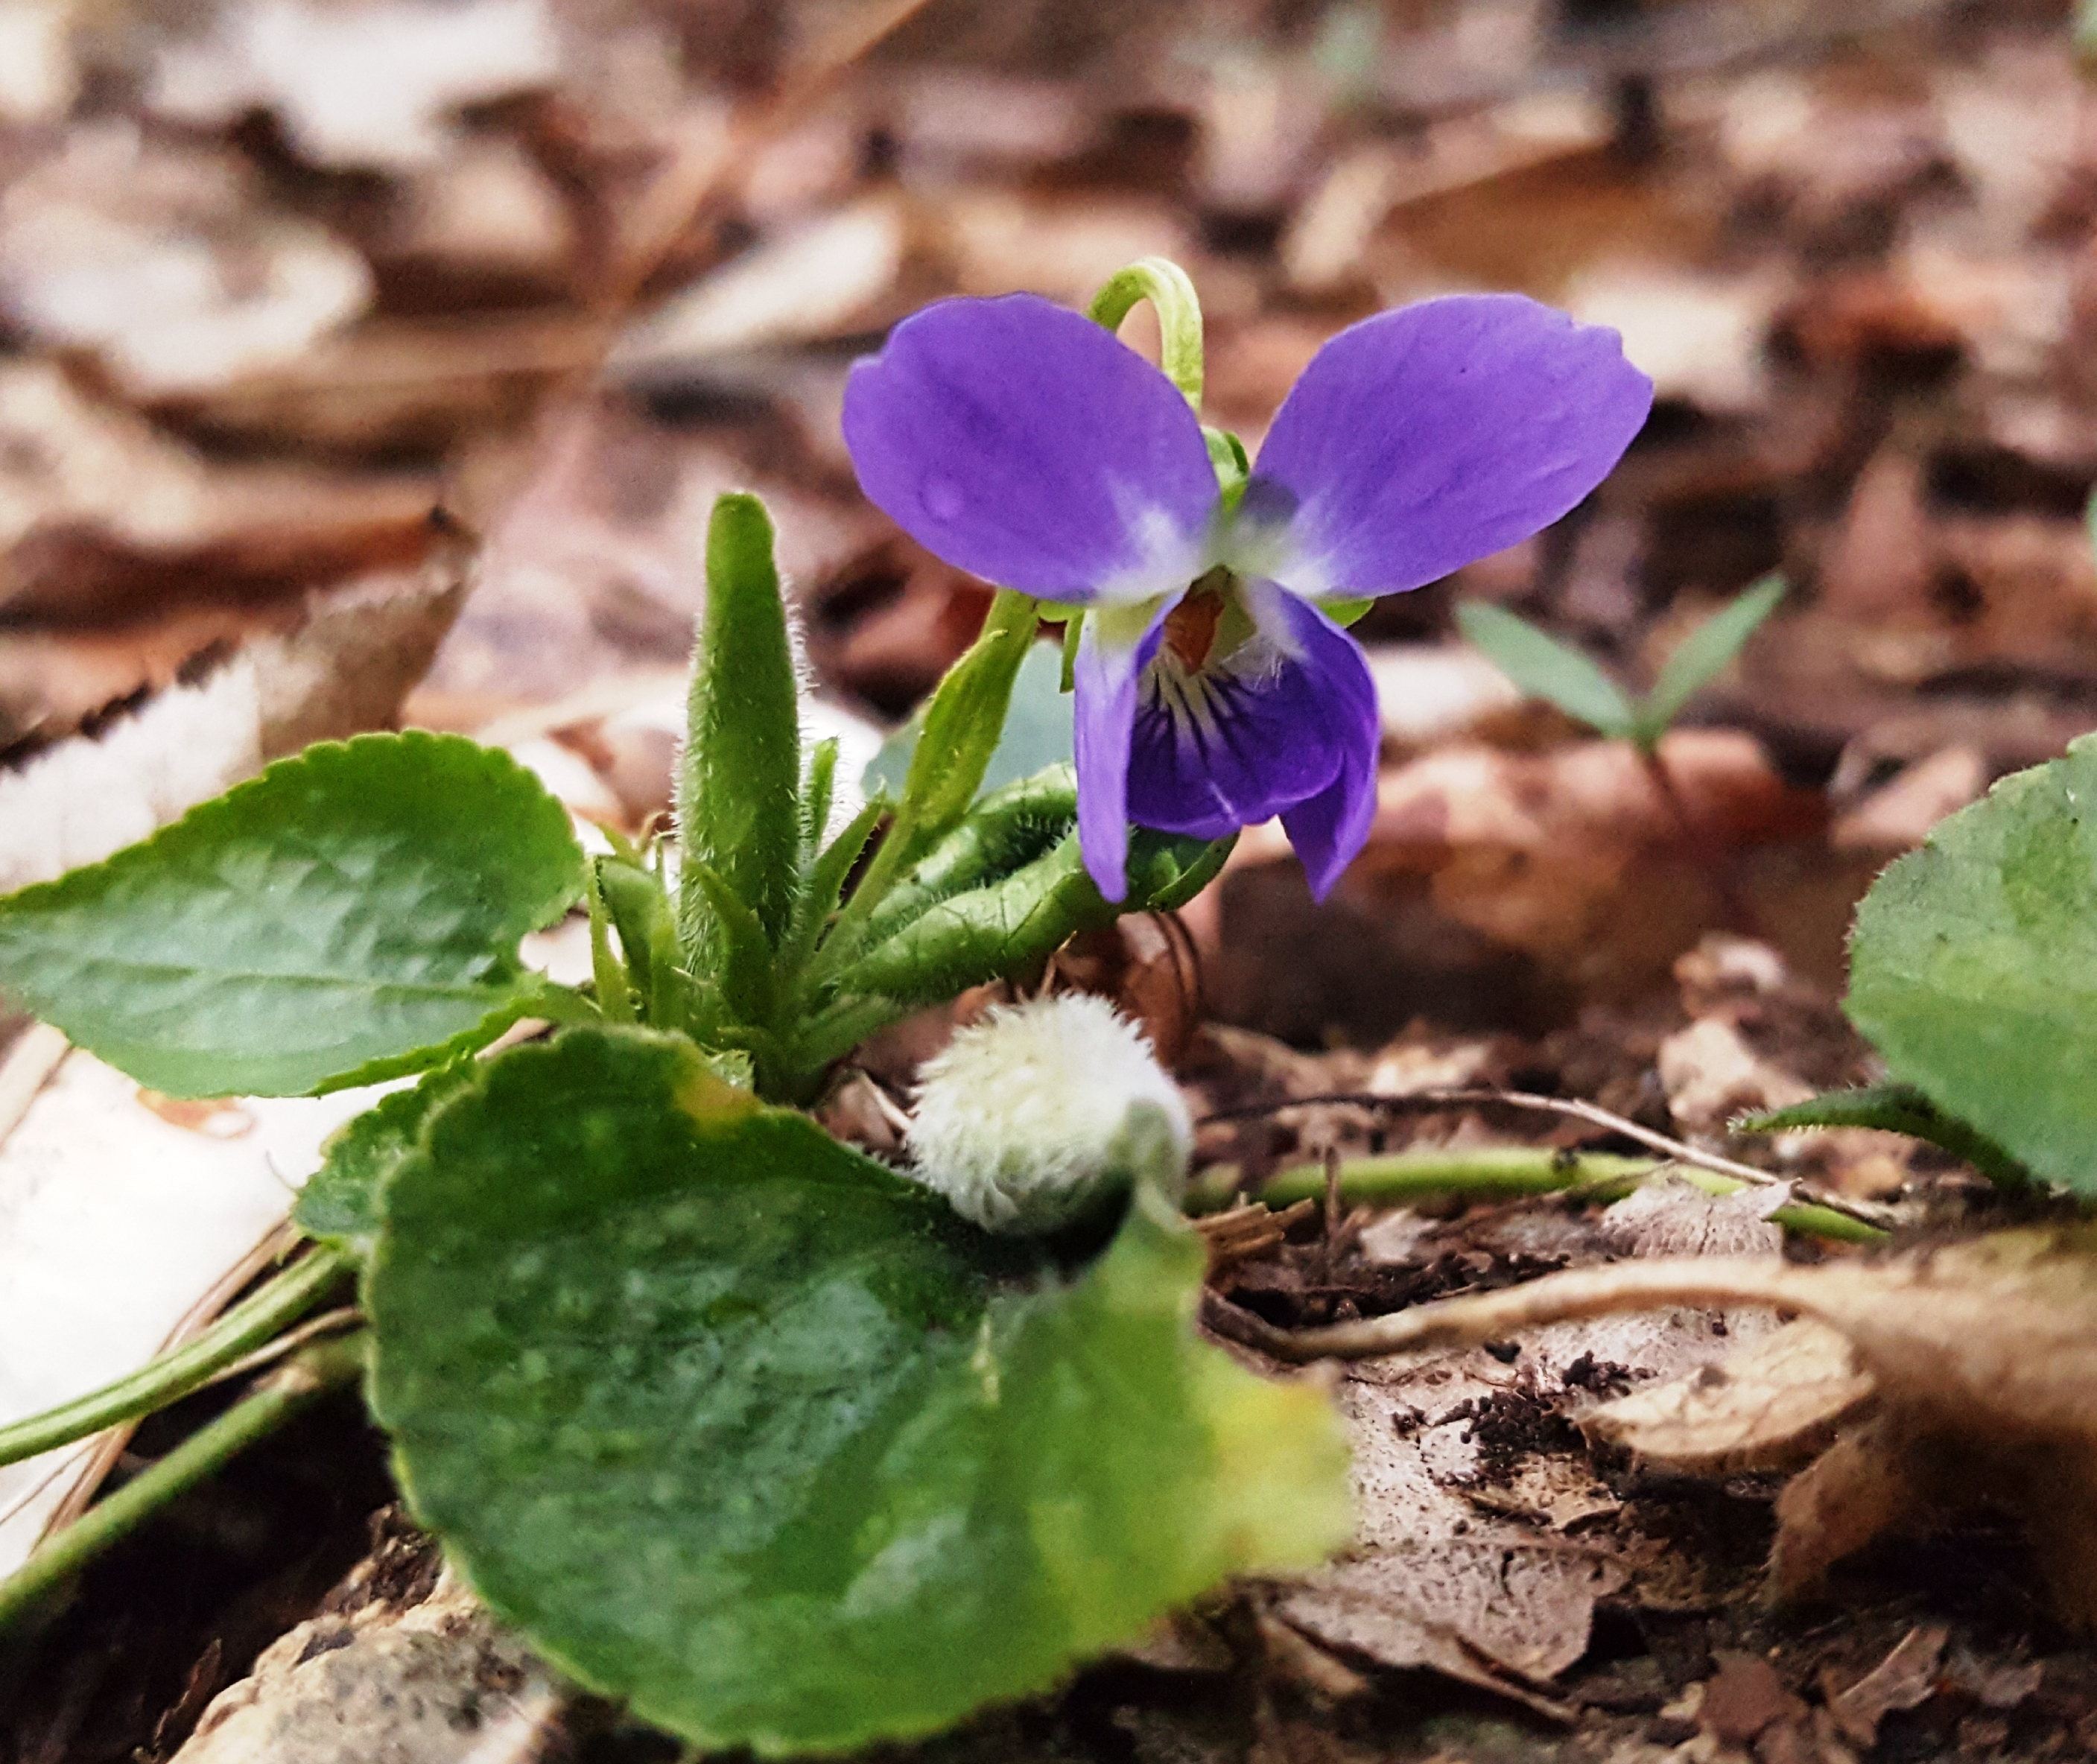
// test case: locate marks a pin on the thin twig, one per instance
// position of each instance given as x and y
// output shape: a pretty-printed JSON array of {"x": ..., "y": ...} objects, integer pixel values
[
  {"x": 1565, "y": 1297},
  {"x": 1571, "y": 1107}
]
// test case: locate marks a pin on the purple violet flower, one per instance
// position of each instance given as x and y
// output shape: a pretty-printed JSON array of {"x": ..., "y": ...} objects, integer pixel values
[{"x": 1020, "y": 441}]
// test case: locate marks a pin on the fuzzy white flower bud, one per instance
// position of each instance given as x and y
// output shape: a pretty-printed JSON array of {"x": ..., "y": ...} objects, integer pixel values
[{"x": 1017, "y": 1119}]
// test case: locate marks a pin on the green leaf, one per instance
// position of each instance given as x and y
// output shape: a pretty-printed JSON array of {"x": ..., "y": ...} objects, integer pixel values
[
  {"x": 1973, "y": 967},
  {"x": 984, "y": 933},
  {"x": 1701, "y": 657},
  {"x": 738, "y": 786},
  {"x": 1890, "y": 1109},
  {"x": 964, "y": 724},
  {"x": 1009, "y": 828},
  {"x": 1038, "y": 732},
  {"x": 339, "y": 1203},
  {"x": 742, "y": 1427},
  {"x": 1545, "y": 668},
  {"x": 639, "y": 908},
  {"x": 351, "y": 914}
]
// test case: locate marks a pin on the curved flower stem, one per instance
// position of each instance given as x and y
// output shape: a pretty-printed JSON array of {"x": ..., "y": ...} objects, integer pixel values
[
  {"x": 245, "y": 1327},
  {"x": 1503, "y": 1170},
  {"x": 275, "y": 1400},
  {"x": 1164, "y": 285}
]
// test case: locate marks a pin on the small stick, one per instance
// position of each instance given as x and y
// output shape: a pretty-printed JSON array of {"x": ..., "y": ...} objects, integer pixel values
[{"x": 1566, "y": 1297}]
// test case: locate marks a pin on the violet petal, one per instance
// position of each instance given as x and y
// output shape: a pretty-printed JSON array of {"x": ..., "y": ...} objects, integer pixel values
[
  {"x": 1020, "y": 441},
  {"x": 1423, "y": 439},
  {"x": 1106, "y": 674},
  {"x": 1330, "y": 829}
]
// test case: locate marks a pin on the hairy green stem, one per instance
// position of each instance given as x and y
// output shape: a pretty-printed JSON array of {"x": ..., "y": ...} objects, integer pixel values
[
  {"x": 277, "y": 1397},
  {"x": 247, "y": 1326},
  {"x": 1498, "y": 1169}
]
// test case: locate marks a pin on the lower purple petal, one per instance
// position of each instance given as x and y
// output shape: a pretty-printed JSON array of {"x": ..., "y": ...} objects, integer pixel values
[
  {"x": 1330, "y": 829},
  {"x": 1106, "y": 674},
  {"x": 1299, "y": 742}
]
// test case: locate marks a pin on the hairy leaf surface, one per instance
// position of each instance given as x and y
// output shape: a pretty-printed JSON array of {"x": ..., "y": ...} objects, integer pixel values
[
  {"x": 745, "y": 1428},
  {"x": 1973, "y": 967},
  {"x": 351, "y": 913}
]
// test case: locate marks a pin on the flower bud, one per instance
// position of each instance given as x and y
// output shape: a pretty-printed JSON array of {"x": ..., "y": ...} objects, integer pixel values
[{"x": 1017, "y": 1119}]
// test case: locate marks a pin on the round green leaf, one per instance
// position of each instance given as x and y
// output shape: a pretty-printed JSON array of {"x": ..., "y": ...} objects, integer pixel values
[
  {"x": 740, "y": 1426},
  {"x": 351, "y": 913},
  {"x": 1973, "y": 967}
]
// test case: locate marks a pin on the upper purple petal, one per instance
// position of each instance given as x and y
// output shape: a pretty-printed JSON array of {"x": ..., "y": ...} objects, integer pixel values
[
  {"x": 1020, "y": 441},
  {"x": 1330, "y": 829},
  {"x": 1421, "y": 439}
]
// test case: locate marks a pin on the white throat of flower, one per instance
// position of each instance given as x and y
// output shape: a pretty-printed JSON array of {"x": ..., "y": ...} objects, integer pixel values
[{"x": 1213, "y": 640}]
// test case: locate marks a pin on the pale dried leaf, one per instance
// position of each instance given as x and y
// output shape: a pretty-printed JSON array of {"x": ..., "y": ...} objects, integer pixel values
[
  {"x": 439, "y": 1682},
  {"x": 1771, "y": 1406},
  {"x": 364, "y": 83},
  {"x": 114, "y": 1220}
]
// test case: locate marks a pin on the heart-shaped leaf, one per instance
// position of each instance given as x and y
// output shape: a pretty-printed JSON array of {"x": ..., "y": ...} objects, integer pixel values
[
  {"x": 351, "y": 914},
  {"x": 747, "y": 1430},
  {"x": 1973, "y": 967}
]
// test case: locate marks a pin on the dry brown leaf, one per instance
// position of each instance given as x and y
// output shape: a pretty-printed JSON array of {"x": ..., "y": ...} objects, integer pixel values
[
  {"x": 1906, "y": 1678},
  {"x": 347, "y": 667},
  {"x": 1984, "y": 1355},
  {"x": 1771, "y": 1406},
  {"x": 429, "y": 1680},
  {"x": 167, "y": 261}
]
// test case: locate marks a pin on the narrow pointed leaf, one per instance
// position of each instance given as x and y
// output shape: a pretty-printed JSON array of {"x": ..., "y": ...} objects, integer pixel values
[
  {"x": 964, "y": 723},
  {"x": 1545, "y": 668},
  {"x": 1038, "y": 732},
  {"x": 738, "y": 784},
  {"x": 353, "y": 913},
  {"x": 1890, "y": 1109},
  {"x": 1700, "y": 657},
  {"x": 738, "y": 1426}
]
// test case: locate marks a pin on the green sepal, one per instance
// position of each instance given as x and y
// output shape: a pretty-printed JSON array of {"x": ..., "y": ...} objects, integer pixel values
[
  {"x": 744, "y": 1429},
  {"x": 1344, "y": 613},
  {"x": 354, "y": 913},
  {"x": 1892, "y": 1108},
  {"x": 738, "y": 810},
  {"x": 1545, "y": 668},
  {"x": 1226, "y": 458}
]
